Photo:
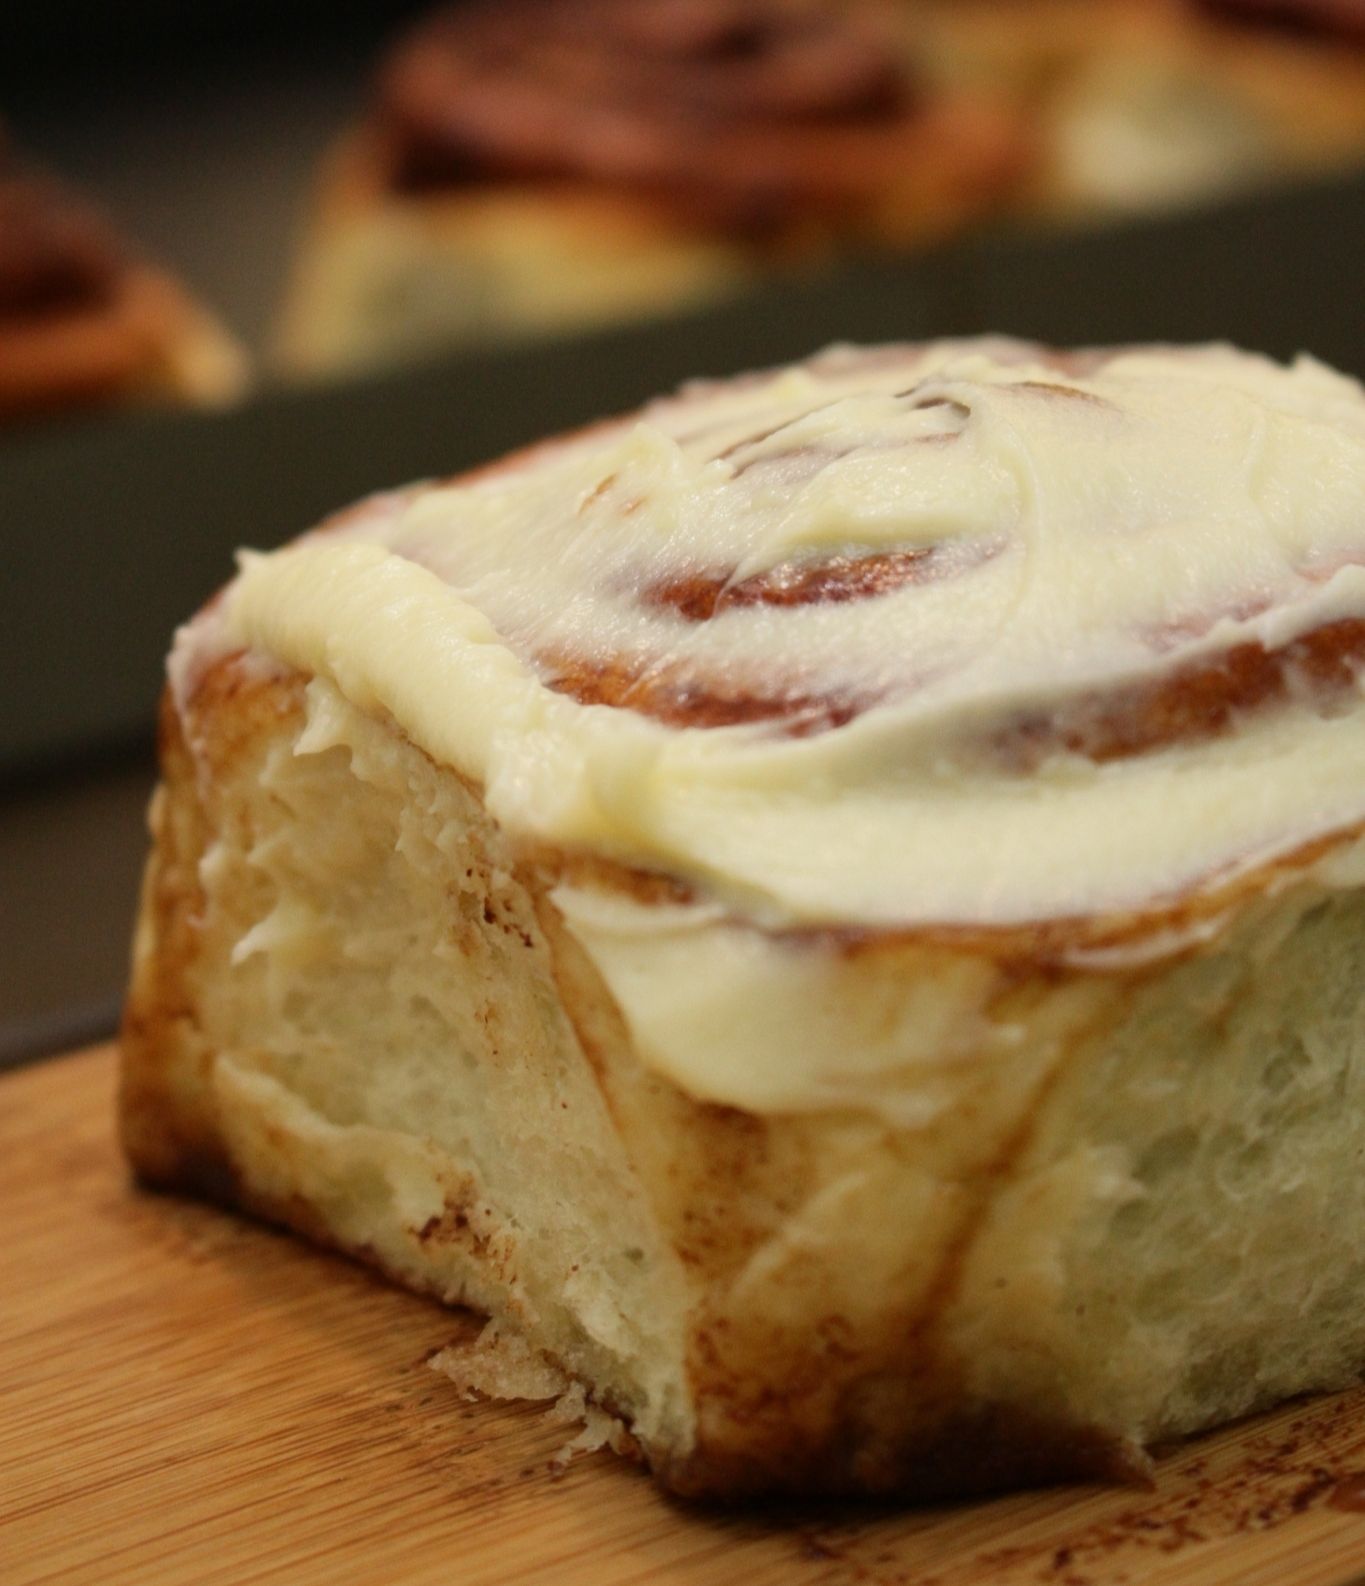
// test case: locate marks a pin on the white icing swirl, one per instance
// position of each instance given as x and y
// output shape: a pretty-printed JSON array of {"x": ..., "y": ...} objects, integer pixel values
[{"x": 1051, "y": 530}]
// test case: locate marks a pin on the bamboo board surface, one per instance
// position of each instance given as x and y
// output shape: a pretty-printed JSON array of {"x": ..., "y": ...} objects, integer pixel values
[{"x": 189, "y": 1398}]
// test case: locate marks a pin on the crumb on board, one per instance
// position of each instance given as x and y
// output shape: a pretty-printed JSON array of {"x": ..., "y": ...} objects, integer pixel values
[{"x": 500, "y": 1364}]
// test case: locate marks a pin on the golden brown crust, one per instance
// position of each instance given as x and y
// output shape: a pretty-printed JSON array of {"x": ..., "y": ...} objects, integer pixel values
[
  {"x": 171, "y": 1142},
  {"x": 169, "y": 1130},
  {"x": 973, "y": 1454}
]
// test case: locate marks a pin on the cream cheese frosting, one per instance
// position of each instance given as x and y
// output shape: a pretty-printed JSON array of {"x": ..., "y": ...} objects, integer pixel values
[
  {"x": 943, "y": 639},
  {"x": 1047, "y": 529}
]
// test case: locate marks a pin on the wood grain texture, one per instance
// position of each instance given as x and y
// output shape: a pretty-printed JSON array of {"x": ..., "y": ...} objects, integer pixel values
[{"x": 192, "y": 1399}]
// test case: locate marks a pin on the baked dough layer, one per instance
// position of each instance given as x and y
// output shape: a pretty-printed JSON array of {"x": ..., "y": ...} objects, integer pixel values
[{"x": 1129, "y": 1209}]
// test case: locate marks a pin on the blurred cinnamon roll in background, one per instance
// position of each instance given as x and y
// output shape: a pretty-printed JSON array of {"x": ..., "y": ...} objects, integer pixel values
[
  {"x": 533, "y": 167},
  {"x": 1147, "y": 104},
  {"x": 83, "y": 320}
]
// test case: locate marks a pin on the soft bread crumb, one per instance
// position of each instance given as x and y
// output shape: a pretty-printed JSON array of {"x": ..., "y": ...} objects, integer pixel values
[
  {"x": 500, "y": 1364},
  {"x": 597, "y": 1428}
]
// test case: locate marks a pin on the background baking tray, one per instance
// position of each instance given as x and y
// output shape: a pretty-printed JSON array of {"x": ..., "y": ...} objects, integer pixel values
[{"x": 116, "y": 528}]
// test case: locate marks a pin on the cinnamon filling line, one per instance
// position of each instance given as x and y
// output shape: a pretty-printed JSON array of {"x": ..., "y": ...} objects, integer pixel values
[
  {"x": 698, "y": 597},
  {"x": 1197, "y": 701}
]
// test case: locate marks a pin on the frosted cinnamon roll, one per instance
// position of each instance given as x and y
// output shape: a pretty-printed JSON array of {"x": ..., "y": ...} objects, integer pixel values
[
  {"x": 830, "y": 908},
  {"x": 535, "y": 166},
  {"x": 83, "y": 321}
]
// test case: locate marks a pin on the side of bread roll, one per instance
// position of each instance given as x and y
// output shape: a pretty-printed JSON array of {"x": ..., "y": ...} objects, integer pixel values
[{"x": 830, "y": 910}]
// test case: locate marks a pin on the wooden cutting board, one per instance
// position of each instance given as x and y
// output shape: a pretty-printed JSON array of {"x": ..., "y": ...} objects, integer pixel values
[{"x": 188, "y": 1398}]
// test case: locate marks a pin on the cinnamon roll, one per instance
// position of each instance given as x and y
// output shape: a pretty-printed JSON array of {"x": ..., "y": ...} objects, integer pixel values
[
  {"x": 1151, "y": 104},
  {"x": 82, "y": 320},
  {"x": 831, "y": 909},
  {"x": 537, "y": 166}
]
